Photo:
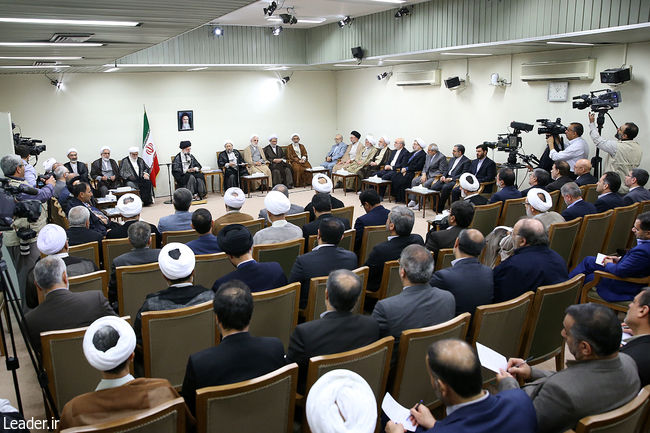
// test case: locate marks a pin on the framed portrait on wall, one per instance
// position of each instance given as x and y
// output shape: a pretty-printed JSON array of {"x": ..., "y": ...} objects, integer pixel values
[{"x": 185, "y": 120}]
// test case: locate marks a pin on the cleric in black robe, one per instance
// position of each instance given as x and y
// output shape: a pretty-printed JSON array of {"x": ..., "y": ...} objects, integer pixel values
[
  {"x": 233, "y": 166},
  {"x": 76, "y": 166},
  {"x": 105, "y": 172},
  {"x": 187, "y": 171},
  {"x": 135, "y": 173}
]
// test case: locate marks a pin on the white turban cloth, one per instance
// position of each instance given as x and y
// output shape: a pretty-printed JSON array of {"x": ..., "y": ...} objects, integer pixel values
[
  {"x": 322, "y": 183},
  {"x": 386, "y": 139},
  {"x": 129, "y": 205},
  {"x": 542, "y": 205},
  {"x": 372, "y": 140},
  {"x": 277, "y": 203},
  {"x": 420, "y": 142},
  {"x": 295, "y": 134},
  {"x": 51, "y": 239},
  {"x": 272, "y": 136},
  {"x": 254, "y": 136},
  {"x": 48, "y": 163},
  {"x": 103, "y": 148},
  {"x": 341, "y": 401},
  {"x": 104, "y": 361},
  {"x": 234, "y": 197},
  {"x": 469, "y": 182},
  {"x": 176, "y": 260},
  {"x": 72, "y": 149},
  {"x": 134, "y": 149}
]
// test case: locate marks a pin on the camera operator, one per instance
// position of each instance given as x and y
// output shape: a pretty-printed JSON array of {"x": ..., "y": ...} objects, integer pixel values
[
  {"x": 576, "y": 149},
  {"x": 30, "y": 171},
  {"x": 24, "y": 252},
  {"x": 623, "y": 154}
]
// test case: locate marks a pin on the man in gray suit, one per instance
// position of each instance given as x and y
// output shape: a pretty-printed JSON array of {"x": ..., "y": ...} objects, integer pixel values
[
  {"x": 599, "y": 380},
  {"x": 435, "y": 163},
  {"x": 294, "y": 209},
  {"x": 419, "y": 304},
  {"x": 181, "y": 219}
]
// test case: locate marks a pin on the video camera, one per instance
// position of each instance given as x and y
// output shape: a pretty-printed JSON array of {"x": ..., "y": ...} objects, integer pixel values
[
  {"x": 33, "y": 144},
  {"x": 10, "y": 208},
  {"x": 598, "y": 100},
  {"x": 549, "y": 127},
  {"x": 511, "y": 141}
]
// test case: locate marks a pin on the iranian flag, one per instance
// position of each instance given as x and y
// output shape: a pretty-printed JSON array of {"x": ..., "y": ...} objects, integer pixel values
[{"x": 149, "y": 153}]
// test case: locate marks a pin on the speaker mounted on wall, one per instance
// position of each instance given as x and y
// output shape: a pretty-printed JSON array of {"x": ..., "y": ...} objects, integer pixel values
[{"x": 357, "y": 53}]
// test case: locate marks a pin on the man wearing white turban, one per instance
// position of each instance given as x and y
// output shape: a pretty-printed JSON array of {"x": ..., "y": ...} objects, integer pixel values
[
  {"x": 298, "y": 159},
  {"x": 108, "y": 345},
  {"x": 76, "y": 166},
  {"x": 233, "y": 199},
  {"x": 280, "y": 169},
  {"x": 281, "y": 230},
  {"x": 256, "y": 161},
  {"x": 130, "y": 207},
  {"x": 469, "y": 186},
  {"x": 322, "y": 184},
  {"x": 232, "y": 164},
  {"x": 135, "y": 172},
  {"x": 105, "y": 171},
  {"x": 379, "y": 160}
]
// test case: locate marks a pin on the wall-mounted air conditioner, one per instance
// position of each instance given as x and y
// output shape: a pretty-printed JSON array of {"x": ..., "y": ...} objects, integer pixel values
[
  {"x": 566, "y": 70},
  {"x": 418, "y": 78}
]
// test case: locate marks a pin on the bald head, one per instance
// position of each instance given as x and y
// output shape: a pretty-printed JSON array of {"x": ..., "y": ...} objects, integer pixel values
[
  {"x": 470, "y": 242},
  {"x": 455, "y": 363},
  {"x": 582, "y": 166},
  {"x": 531, "y": 231}
]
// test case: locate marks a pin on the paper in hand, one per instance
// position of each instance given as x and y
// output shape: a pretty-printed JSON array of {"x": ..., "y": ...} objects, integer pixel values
[
  {"x": 490, "y": 359},
  {"x": 600, "y": 258},
  {"x": 396, "y": 412}
]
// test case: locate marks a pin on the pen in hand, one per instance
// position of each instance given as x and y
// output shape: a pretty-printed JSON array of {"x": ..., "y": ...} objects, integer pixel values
[{"x": 526, "y": 361}]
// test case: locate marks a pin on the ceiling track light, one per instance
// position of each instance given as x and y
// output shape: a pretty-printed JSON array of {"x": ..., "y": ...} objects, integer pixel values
[
  {"x": 402, "y": 12},
  {"x": 345, "y": 21},
  {"x": 288, "y": 19},
  {"x": 285, "y": 80},
  {"x": 270, "y": 9},
  {"x": 275, "y": 31},
  {"x": 217, "y": 31},
  {"x": 384, "y": 75}
]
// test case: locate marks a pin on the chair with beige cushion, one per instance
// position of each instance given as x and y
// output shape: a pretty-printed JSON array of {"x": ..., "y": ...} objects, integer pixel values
[
  {"x": 57, "y": 215},
  {"x": 253, "y": 226},
  {"x": 372, "y": 235},
  {"x": 346, "y": 212},
  {"x": 134, "y": 283},
  {"x": 589, "y": 293},
  {"x": 563, "y": 237},
  {"x": 486, "y": 217},
  {"x": 620, "y": 228},
  {"x": 93, "y": 281},
  {"x": 298, "y": 219},
  {"x": 591, "y": 237},
  {"x": 112, "y": 248},
  {"x": 347, "y": 241},
  {"x": 513, "y": 209},
  {"x": 182, "y": 236},
  {"x": 444, "y": 259},
  {"x": 391, "y": 283},
  {"x": 284, "y": 253},
  {"x": 276, "y": 313},
  {"x": 589, "y": 193},
  {"x": 210, "y": 267},
  {"x": 316, "y": 299},
  {"x": 89, "y": 251}
]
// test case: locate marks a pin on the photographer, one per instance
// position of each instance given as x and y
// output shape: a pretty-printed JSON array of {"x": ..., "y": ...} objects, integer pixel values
[
  {"x": 30, "y": 171},
  {"x": 624, "y": 153},
  {"x": 576, "y": 149}
]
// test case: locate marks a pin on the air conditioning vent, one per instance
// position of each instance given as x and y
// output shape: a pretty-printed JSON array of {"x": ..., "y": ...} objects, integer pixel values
[
  {"x": 45, "y": 63},
  {"x": 418, "y": 78},
  {"x": 570, "y": 70},
  {"x": 70, "y": 37}
]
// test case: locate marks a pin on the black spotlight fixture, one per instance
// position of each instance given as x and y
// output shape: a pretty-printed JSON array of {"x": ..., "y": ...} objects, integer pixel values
[
  {"x": 402, "y": 12},
  {"x": 288, "y": 19},
  {"x": 345, "y": 21},
  {"x": 217, "y": 31},
  {"x": 269, "y": 10},
  {"x": 285, "y": 80},
  {"x": 384, "y": 75},
  {"x": 275, "y": 31}
]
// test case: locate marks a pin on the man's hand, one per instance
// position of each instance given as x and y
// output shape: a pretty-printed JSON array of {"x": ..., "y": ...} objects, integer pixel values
[
  {"x": 403, "y": 170},
  {"x": 550, "y": 141},
  {"x": 373, "y": 163},
  {"x": 328, "y": 158},
  {"x": 146, "y": 176},
  {"x": 611, "y": 259},
  {"x": 421, "y": 415},
  {"x": 258, "y": 163},
  {"x": 392, "y": 427},
  {"x": 518, "y": 368},
  {"x": 104, "y": 178},
  {"x": 592, "y": 117},
  {"x": 423, "y": 178},
  {"x": 113, "y": 178},
  {"x": 503, "y": 374},
  {"x": 388, "y": 167},
  {"x": 50, "y": 181},
  {"x": 446, "y": 179},
  {"x": 277, "y": 160}
]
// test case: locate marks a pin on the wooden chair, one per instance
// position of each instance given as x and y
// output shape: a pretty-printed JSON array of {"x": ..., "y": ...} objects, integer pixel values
[
  {"x": 276, "y": 313},
  {"x": 589, "y": 293},
  {"x": 253, "y": 226},
  {"x": 372, "y": 235},
  {"x": 112, "y": 248},
  {"x": 168, "y": 417},
  {"x": 486, "y": 217},
  {"x": 210, "y": 267},
  {"x": 316, "y": 299},
  {"x": 88, "y": 251},
  {"x": 271, "y": 397},
  {"x": 513, "y": 209},
  {"x": 409, "y": 387},
  {"x": 589, "y": 193},
  {"x": 391, "y": 283},
  {"x": 134, "y": 283},
  {"x": 284, "y": 253},
  {"x": 87, "y": 282},
  {"x": 298, "y": 219},
  {"x": 182, "y": 236},
  {"x": 57, "y": 215},
  {"x": 644, "y": 206},
  {"x": 159, "y": 328},
  {"x": 591, "y": 236},
  {"x": 542, "y": 339},
  {"x": 620, "y": 228},
  {"x": 347, "y": 241},
  {"x": 628, "y": 418},
  {"x": 444, "y": 259},
  {"x": 563, "y": 236},
  {"x": 346, "y": 212},
  {"x": 484, "y": 185},
  {"x": 555, "y": 197}
]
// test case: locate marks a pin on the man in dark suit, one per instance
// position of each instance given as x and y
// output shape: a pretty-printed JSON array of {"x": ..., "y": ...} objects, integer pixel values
[
  {"x": 105, "y": 171},
  {"x": 376, "y": 215},
  {"x": 206, "y": 243},
  {"x": 506, "y": 181},
  {"x": 239, "y": 356},
  {"x": 458, "y": 165},
  {"x": 576, "y": 206},
  {"x": 400, "y": 224},
  {"x": 636, "y": 181},
  {"x": 130, "y": 207},
  {"x": 280, "y": 168},
  {"x": 531, "y": 265},
  {"x": 236, "y": 241},
  {"x": 396, "y": 161},
  {"x": 561, "y": 174},
  {"x": 403, "y": 178},
  {"x": 482, "y": 167},
  {"x": 418, "y": 305},
  {"x": 638, "y": 346},
  {"x": 326, "y": 257},
  {"x": 79, "y": 231},
  {"x": 460, "y": 217},
  {"x": 140, "y": 239},
  {"x": 582, "y": 170},
  {"x": 468, "y": 280},
  {"x": 81, "y": 196},
  {"x": 322, "y": 207},
  {"x": 322, "y": 184},
  {"x": 75, "y": 166},
  {"x": 61, "y": 308},
  {"x": 538, "y": 178},
  {"x": 339, "y": 329},
  {"x": 608, "y": 186}
]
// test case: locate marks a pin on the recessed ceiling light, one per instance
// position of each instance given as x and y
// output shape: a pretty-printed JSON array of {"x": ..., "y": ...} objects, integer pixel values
[
  {"x": 277, "y": 68},
  {"x": 39, "y": 58},
  {"x": 586, "y": 44},
  {"x": 50, "y": 44},
  {"x": 202, "y": 68},
  {"x": 466, "y": 54},
  {"x": 112, "y": 70},
  {"x": 34, "y": 67},
  {"x": 70, "y": 22},
  {"x": 390, "y": 1}
]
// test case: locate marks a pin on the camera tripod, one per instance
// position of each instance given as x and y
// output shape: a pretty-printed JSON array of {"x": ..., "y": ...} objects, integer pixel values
[{"x": 597, "y": 161}]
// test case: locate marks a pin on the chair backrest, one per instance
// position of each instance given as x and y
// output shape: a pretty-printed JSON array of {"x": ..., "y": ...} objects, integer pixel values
[
  {"x": 88, "y": 251},
  {"x": 134, "y": 283},
  {"x": 591, "y": 236},
  {"x": 298, "y": 219},
  {"x": 159, "y": 328},
  {"x": 620, "y": 228},
  {"x": 513, "y": 209},
  {"x": 391, "y": 283},
  {"x": 486, "y": 217},
  {"x": 210, "y": 267},
  {"x": 253, "y": 226},
  {"x": 58, "y": 216},
  {"x": 563, "y": 236},
  {"x": 628, "y": 418},
  {"x": 112, "y": 248},
  {"x": 276, "y": 313},
  {"x": 644, "y": 207},
  {"x": 347, "y": 241},
  {"x": 501, "y": 326},
  {"x": 316, "y": 299},
  {"x": 372, "y": 235},
  {"x": 284, "y": 253},
  {"x": 228, "y": 408},
  {"x": 555, "y": 197},
  {"x": 409, "y": 387},
  {"x": 346, "y": 212},
  {"x": 168, "y": 417},
  {"x": 444, "y": 259},
  {"x": 93, "y": 281},
  {"x": 182, "y": 236},
  {"x": 589, "y": 193},
  {"x": 542, "y": 338}
]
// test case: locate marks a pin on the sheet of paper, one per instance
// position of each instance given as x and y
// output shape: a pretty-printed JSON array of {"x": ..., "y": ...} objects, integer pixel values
[
  {"x": 599, "y": 259},
  {"x": 490, "y": 359},
  {"x": 396, "y": 412}
]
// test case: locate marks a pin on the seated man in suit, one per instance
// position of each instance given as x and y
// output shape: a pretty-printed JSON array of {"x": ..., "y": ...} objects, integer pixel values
[
  {"x": 339, "y": 330},
  {"x": 237, "y": 242},
  {"x": 461, "y": 215},
  {"x": 482, "y": 167},
  {"x": 206, "y": 243},
  {"x": 469, "y": 186},
  {"x": 599, "y": 380},
  {"x": 181, "y": 219},
  {"x": 176, "y": 262},
  {"x": 396, "y": 161},
  {"x": 376, "y": 215},
  {"x": 105, "y": 171},
  {"x": 326, "y": 257},
  {"x": 109, "y": 345},
  {"x": 322, "y": 185},
  {"x": 403, "y": 178},
  {"x": 636, "y": 181},
  {"x": 582, "y": 170},
  {"x": 419, "y": 304},
  {"x": 186, "y": 170},
  {"x": 322, "y": 207},
  {"x": 455, "y": 373},
  {"x": 130, "y": 207},
  {"x": 140, "y": 239},
  {"x": 335, "y": 153},
  {"x": 81, "y": 196},
  {"x": 638, "y": 345},
  {"x": 76, "y": 166},
  {"x": 506, "y": 181},
  {"x": 607, "y": 188},
  {"x": 468, "y": 280},
  {"x": 61, "y": 308},
  {"x": 457, "y": 165},
  {"x": 576, "y": 207},
  {"x": 531, "y": 265},
  {"x": 281, "y": 230},
  {"x": 78, "y": 231},
  {"x": 635, "y": 263},
  {"x": 294, "y": 209},
  {"x": 233, "y": 199},
  {"x": 400, "y": 224},
  {"x": 537, "y": 178},
  {"x": 561, "y": 174},
  {"x": 434, "y": 164},
  {"x": 239, "y": 356}
]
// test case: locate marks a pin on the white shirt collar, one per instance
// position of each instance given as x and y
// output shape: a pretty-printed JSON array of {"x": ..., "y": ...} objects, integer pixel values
[
  {"x": 392, "y": 237},
  {"x": 61, "y": 255},
  {"x": 279, "y": 223},
  {"x": 453, "y": 262},
  {"x": 322, "y": 245},
  {"x": 454, "y": 407},
  {"x": 114, "y": 383},
  {"x": 603, "y": 195},
  {"x": 245, "y": 261},
  {"x": 181, "y": 285},
  {"x": 471, "y": 195}
]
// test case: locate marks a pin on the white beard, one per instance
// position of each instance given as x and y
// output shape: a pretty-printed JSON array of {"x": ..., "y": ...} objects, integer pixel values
[{"x": 463, "y": 194}]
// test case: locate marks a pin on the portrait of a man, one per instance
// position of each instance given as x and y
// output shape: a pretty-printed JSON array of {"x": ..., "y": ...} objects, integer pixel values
[{"x": 186, "y": 120}]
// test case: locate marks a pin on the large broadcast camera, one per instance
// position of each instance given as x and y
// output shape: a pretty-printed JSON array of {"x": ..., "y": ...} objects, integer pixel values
[
  {"x": 35, "y": 148},
  {"x": 511, "y": 142},
  {"x": 598, "y": 100},
  {"x": 549, "y": 127},
  {"x": 10, "y": 208}
]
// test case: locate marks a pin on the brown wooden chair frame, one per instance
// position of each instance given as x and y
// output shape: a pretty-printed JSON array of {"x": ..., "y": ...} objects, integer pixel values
[
  {"x": 385, "y": 278},
  {"x": 120, "y": 285},
  {"x": 507, "y": 205},
  {"x": 598, "y": 275},
  {"x": 247, "y": 224},
  {"x": 364, "y": 242},
  {"x": 308, "y": 312},
  {"x": 553, "y": 227},
  {"x": 125, "y": 241},
  {"x": 634, "y": 207},
  {"x": 281, "y": 291},
  {"x": 575, "y": 259},
  {"x": 311, "y": 242},
  {"x": 88, "y": 245},
  {"x": 92, "y": 276},
  {"x": 442, "y": 253},
  {"x": 167, "y": 234}
]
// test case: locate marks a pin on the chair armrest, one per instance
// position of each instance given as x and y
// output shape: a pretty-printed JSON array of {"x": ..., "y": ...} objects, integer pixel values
[{"x": 598, "y": 275}]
